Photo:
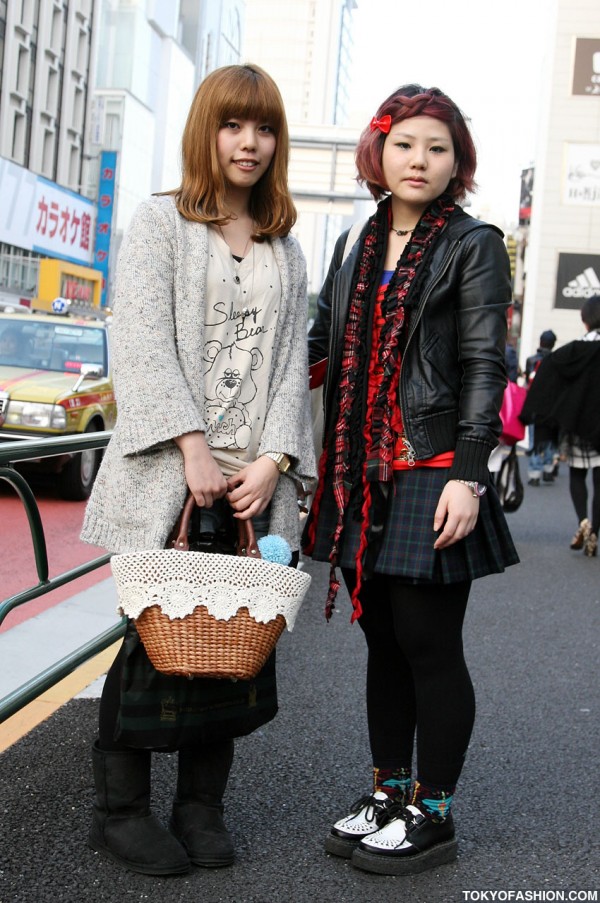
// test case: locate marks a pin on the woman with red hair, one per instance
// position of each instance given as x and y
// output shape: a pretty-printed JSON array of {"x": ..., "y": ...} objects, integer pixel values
[{"x": 410, "y": 337}]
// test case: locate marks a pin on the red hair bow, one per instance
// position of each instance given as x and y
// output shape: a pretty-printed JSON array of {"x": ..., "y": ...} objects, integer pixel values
[{"x": 384, "y": 124}]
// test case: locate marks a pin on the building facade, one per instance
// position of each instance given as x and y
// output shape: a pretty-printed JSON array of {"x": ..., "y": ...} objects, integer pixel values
[
  {"x": 307, "y": 48},
  {"x": 46, "y": 69},
  {"x": 153, "y": 56},
  {"x": 563, "y": 254}
]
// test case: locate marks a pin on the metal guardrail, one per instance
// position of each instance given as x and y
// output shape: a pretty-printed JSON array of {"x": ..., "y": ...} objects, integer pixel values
[{"x": 24, "y": 450}]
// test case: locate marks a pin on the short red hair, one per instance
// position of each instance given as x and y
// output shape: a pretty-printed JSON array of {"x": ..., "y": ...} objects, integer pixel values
[{"x": 406, "y": 102}]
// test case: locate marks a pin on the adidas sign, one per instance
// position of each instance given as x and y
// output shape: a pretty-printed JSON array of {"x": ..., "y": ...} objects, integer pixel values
[{"x": 586, "y": 285}]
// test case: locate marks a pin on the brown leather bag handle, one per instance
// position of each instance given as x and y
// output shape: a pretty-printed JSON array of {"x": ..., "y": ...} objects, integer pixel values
[{"x": 247, "y": 546}]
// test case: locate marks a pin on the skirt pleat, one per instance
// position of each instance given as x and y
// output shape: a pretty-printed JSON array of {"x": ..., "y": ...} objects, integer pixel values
[{"x": 408, "y": 537}]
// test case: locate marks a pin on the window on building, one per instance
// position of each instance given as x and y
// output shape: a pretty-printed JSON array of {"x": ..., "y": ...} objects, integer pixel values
[
  {"x": 51, "y": 91},
  {"x": 48, "y": 153},
  {"x": 82, "y": 51},
  {"x": 19, "y": 269},
  {"x": 77, "y": 123},
  {"x": 56, "y": 30},
  {"x": 3, "y": 14},
  {"x": 112, "y": 126},
  {"x": 74, "y": 158},
  {"x": 18, "y": 139},
  {"x": 22, "y": 70}
]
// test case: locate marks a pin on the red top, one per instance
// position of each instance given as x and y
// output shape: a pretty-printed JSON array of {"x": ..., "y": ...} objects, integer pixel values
[{"x": 375, "y": 374}]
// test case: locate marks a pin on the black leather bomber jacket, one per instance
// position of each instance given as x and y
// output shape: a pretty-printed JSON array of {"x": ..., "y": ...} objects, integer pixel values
[{"x": 453, "y": 374}]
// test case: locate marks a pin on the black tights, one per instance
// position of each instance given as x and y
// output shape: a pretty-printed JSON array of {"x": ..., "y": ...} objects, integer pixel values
[
  {"x": 579, "y": 494},
  {"x": 417, "y": 677}
]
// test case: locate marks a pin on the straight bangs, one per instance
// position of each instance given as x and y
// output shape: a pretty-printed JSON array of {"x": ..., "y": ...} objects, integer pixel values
[
  {"x": 252, "y": 98},
  {"x": 235, "y": 92}
]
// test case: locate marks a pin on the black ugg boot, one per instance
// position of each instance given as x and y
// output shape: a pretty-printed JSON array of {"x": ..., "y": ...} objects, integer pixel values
[
  {"x": 123, "y": 827},
  {"x": 197, "y": 819}
]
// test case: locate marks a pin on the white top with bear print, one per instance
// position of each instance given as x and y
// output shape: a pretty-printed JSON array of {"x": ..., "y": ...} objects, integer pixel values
[{"x": 239, "y": 329}]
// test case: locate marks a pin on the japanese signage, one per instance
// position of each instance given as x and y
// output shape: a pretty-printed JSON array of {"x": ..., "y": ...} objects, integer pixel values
[
  {"x": 76, "y": 289},
  {"x": 582, "y": 175},
  {"x": 578, "y": 278},
  {"x": 39, "y": 215},
  {"x": 106, "y": 202},
  {"x": 586, "y": 68}
]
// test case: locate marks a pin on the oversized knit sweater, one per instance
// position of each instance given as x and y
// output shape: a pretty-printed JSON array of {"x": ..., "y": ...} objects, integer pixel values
[{"x": 157, "y": 341}]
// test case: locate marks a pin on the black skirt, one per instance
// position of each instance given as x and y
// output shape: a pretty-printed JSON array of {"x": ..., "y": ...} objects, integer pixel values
[{"x": 408, "y": 537}]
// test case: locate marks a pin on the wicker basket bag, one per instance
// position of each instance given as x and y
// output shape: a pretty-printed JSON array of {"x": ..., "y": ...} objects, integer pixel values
[{"x": 202, "y": 614}]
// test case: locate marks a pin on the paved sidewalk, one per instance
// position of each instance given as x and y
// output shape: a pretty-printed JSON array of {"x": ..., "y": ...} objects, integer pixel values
[
  {"x": 524, "y": 810},
  {"x": 36, "y": 644}
]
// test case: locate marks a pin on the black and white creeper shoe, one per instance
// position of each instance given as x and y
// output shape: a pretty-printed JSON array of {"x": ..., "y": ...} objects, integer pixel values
[
  {"x": 407, "y": 843},
  {"x": 346, "y": 834}
]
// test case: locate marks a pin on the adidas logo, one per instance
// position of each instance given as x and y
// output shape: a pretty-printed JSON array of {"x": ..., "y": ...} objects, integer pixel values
[{"x": 586, "y": 285}]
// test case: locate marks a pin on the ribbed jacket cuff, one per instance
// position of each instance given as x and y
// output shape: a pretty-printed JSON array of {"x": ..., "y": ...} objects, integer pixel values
[{"x": 471, "y": 461}]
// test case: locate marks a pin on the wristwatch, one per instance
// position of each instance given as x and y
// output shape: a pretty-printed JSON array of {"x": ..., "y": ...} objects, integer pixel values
[
  {"x": 282, "y": 461},
  {"x": 478, "y": 489}
]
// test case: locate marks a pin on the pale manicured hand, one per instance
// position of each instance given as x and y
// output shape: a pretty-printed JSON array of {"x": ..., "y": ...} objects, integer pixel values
[
  {"x": 251, "y": 490},
  {"x": 457, "y": 512},
  {"x": 202, "y": 473}
]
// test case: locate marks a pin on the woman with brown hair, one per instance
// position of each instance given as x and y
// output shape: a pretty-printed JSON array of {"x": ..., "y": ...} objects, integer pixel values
[{"x": 211, "y": 379}]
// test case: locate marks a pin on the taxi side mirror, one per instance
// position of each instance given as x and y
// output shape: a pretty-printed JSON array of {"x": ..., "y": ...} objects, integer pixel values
[
  {"x": 91, "y": 371},
  {"x": 88, "y": 371}
]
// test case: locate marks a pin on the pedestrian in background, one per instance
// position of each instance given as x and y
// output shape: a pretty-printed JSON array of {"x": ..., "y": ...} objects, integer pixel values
[
  {"x": 566, "y": 392},
  {"x": 544, "y": 445},
  {"x": 410, "y": 332},
  {"x": 512, "y": 362},
  {"x": 211, "y": 378}
]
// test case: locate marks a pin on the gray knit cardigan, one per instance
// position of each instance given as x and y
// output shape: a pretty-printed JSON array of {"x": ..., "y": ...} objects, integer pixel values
[{"x": 157, "y": 341}]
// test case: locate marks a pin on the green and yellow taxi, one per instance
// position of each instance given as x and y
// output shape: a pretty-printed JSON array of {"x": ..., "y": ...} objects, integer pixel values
[{"x": 55, "y": 381}]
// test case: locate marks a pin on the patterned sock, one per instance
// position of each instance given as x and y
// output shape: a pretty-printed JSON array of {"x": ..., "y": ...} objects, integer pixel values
[
  {"x": 434, "y": 801},
  {"x": 393, "y": 781}
]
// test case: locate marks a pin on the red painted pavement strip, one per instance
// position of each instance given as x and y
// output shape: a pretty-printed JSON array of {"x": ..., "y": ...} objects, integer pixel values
[{"x": 62, "y": 522}]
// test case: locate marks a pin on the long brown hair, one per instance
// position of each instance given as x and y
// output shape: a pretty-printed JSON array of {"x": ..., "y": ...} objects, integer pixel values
[{"x": 231, "y": 92}]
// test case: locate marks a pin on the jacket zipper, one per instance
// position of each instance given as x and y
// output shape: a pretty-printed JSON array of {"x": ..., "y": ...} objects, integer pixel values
[{"x": 403, "y": 400}]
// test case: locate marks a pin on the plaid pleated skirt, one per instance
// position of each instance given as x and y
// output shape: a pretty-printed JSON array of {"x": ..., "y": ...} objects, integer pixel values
[
  {"x": 581, "y": 454},
  {"x": 407, "y": 547}
]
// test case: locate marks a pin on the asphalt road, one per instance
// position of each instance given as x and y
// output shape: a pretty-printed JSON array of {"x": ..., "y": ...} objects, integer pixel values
[{"x": 526, "y": 808}]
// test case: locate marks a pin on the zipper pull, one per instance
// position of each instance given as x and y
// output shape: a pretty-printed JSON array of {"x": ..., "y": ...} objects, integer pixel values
[{"x": 411, "y": 455}]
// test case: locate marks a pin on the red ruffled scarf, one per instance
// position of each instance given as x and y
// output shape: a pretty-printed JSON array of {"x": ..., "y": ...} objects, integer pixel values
[{"x": 371, "y": 461}]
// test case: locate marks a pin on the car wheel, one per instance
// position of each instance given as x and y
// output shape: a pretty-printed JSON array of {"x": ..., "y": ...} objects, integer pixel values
[{"x": 77, "y": 477}]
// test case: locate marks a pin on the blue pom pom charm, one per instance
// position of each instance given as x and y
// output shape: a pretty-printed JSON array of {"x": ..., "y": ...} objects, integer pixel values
[{"x": 275, "y": 548}]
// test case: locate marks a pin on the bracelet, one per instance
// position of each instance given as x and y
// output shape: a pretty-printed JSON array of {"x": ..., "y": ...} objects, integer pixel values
[{"x": 478, "y": 489}]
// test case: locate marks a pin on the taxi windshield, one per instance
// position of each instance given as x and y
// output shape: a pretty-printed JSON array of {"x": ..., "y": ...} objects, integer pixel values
[{"x": 63, "y": 348}]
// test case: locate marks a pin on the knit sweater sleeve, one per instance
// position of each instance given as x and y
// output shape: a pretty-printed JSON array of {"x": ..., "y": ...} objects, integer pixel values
[
  {"x": 153, "y": 397},
  {"x": 288, "y": 424}
]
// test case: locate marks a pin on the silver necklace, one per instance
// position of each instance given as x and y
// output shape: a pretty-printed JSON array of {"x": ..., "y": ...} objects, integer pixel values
[
  {"x": 236, "y": 276},
  {"x": 402, "y": 232},
  {"x": 237, "y": 280},
  {"x": 236, "y": 264}
]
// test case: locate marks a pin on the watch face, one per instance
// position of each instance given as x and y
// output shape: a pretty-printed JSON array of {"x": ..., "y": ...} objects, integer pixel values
[{"x": 479, "y": 489}]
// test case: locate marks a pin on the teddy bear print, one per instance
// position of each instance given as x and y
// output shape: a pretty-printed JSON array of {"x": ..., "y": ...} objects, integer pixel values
[{"x": 228, "y": 422}]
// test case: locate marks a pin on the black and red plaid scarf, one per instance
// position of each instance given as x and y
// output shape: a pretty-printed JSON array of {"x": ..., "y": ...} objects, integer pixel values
[{"x": 361, "y": 450}]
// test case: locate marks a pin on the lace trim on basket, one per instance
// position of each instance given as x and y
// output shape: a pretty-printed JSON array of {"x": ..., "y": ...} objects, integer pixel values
[{"x": 179, "y": 581}]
